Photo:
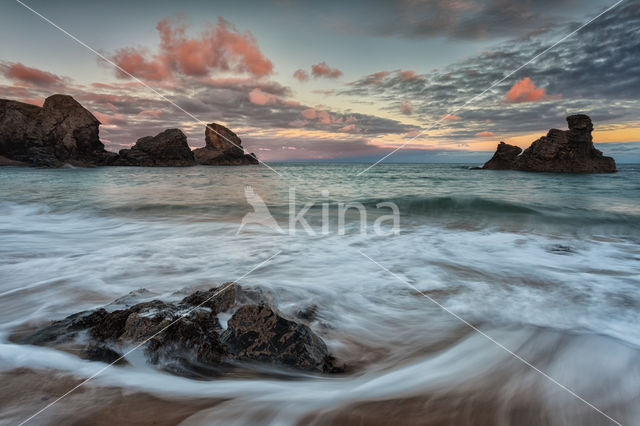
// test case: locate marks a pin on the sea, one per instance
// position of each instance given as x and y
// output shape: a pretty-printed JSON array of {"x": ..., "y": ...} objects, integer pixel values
[{"x": 451, "y": 296}]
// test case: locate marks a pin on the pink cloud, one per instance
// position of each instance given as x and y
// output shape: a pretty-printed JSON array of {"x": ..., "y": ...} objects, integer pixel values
[
  {"x": 258, "y": 97},
  {"x": 406, "y": 108},
  {"x": 451, "y": 117},
  {"x": 30, "y": 75},
  {"x": 301, "y": 75},
  {"x": 107, "y": 119},
  {"x": 309, "y": 114},
  {"x": 222, "y": 48},
  {"x": 151, "y": 113},
  {"x": 525, "y": 91},
  {"x": 324, "y": 70},
  {"x": 324, "y": 117},
  {"x": 485, "y": 134},
  {"x": 409, "y": 75},
  {"x": 349, "y": 128},
  {"x": 134, "y": 62},
  {"x": 34, "y": 101},
  {"x": 377, "y": 77}
]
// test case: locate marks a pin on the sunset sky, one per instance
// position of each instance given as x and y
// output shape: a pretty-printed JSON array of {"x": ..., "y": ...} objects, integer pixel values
[{"x": 335, "y": 80}]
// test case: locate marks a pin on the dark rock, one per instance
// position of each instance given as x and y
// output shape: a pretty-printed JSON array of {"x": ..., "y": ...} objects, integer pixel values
[
  {"x": 504, "y": 158},
  {"x": 223, "y": 148},
  {"x": 168, "y": 148},
  {"x": 186, "y": 337},
  {"x": 561, "y": 151},
  {"x": 103, "y": 353},
  {"x": 260, "y": 333},
  {"x": 60, "y": 132},
  {"x": 63, "y": 132},
  {"x": 308, "y": 314}
]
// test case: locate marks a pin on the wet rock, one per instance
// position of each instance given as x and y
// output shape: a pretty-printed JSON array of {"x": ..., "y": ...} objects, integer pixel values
[
  {"x": 260, "y": 333},
  {"x": 167, "y": 149},
  {"x": 103, "y": 353},
  {"x": 223, "y": 148},
  {"x": 308, "y": 314},
  {"x": 186, "y": 337},
  {"x": 61, "y": 131},
  {"x": 560, "y": 151}
]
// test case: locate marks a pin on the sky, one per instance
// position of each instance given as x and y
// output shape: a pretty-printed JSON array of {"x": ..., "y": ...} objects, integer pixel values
[{"x": 335, "y": 80}]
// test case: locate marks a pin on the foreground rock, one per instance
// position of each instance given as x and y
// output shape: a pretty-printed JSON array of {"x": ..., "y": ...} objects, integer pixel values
[
  {"x": 223, "y": 148},
  {"x": 187, "y": 337},
  {"x": 60, "y": 132},
  {"x": 169, "y": 148},
  {"x": 561, "y": 151}
]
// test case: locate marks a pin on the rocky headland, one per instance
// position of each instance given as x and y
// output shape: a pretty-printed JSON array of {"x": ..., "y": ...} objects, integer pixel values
[
  {"x": 63, "y": 132},
  {"x": 560, "y": 151},
  {"x": 188, "y": 337}
]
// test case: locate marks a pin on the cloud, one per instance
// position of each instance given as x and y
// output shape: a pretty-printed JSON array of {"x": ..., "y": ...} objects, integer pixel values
[
  {"x": 406, "y": 108},
  {"x": 453, "y": 19},
  {"x": 23, "y": 73},
  {"x": 309, "y": 114},
  {"x": 325, "y": 92},
  {"x": 525, "y": 90},
  {"x": 135, "y": 62},
  {"x": 301, "y": 75},
  {"x": 221, "y": 48},
  {"x": 451, "y": 117},
  {"x": 597, "y": 71},
  {"x": 107, "y": 119},
  {"x": 324, "y": 70},
  {"x": 258, "y": 97},
  {"x": 486, "y": 134}
]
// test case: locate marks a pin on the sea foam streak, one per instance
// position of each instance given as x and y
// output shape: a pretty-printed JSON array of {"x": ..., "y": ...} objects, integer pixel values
[{"x": 560, "y": 290}]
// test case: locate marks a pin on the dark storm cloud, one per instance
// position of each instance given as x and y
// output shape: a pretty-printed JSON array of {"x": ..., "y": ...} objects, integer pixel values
[{"x": 597, "y": 72}]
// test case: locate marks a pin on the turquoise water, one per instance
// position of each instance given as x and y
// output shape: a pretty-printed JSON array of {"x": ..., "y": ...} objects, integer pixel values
[{"x": 546, "y": 264}]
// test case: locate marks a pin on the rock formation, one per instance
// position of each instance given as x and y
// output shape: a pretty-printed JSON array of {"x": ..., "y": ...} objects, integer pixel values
[
  {"x": 223, "y": 147},
  {"x": 504, "y": 157},
  {"x": 64, "y": 132},
  {"x": 60, "y": 132},
  {"x": 196, "y": 345},
  {"x": 168, "y": 148},
  {"x": 561, "y": 151}
]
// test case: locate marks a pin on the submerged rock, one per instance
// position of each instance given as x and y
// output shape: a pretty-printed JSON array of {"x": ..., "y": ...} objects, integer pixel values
[
  {"x": 187, "y": 338},
  {"x": 168, "y": 148},
  {"x": 61, "y": 131},
  {"x": 223, "y": 148},
  {"x": 562, "y": 151}
]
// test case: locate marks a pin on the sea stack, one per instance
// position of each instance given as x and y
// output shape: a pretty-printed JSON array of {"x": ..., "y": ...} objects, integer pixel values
[
  {"x": 61, "y": 131},
  {"x": 223, "y": 148},
  {"x": 560, "y": 151},
  {"x": 166, "y": 149}
]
